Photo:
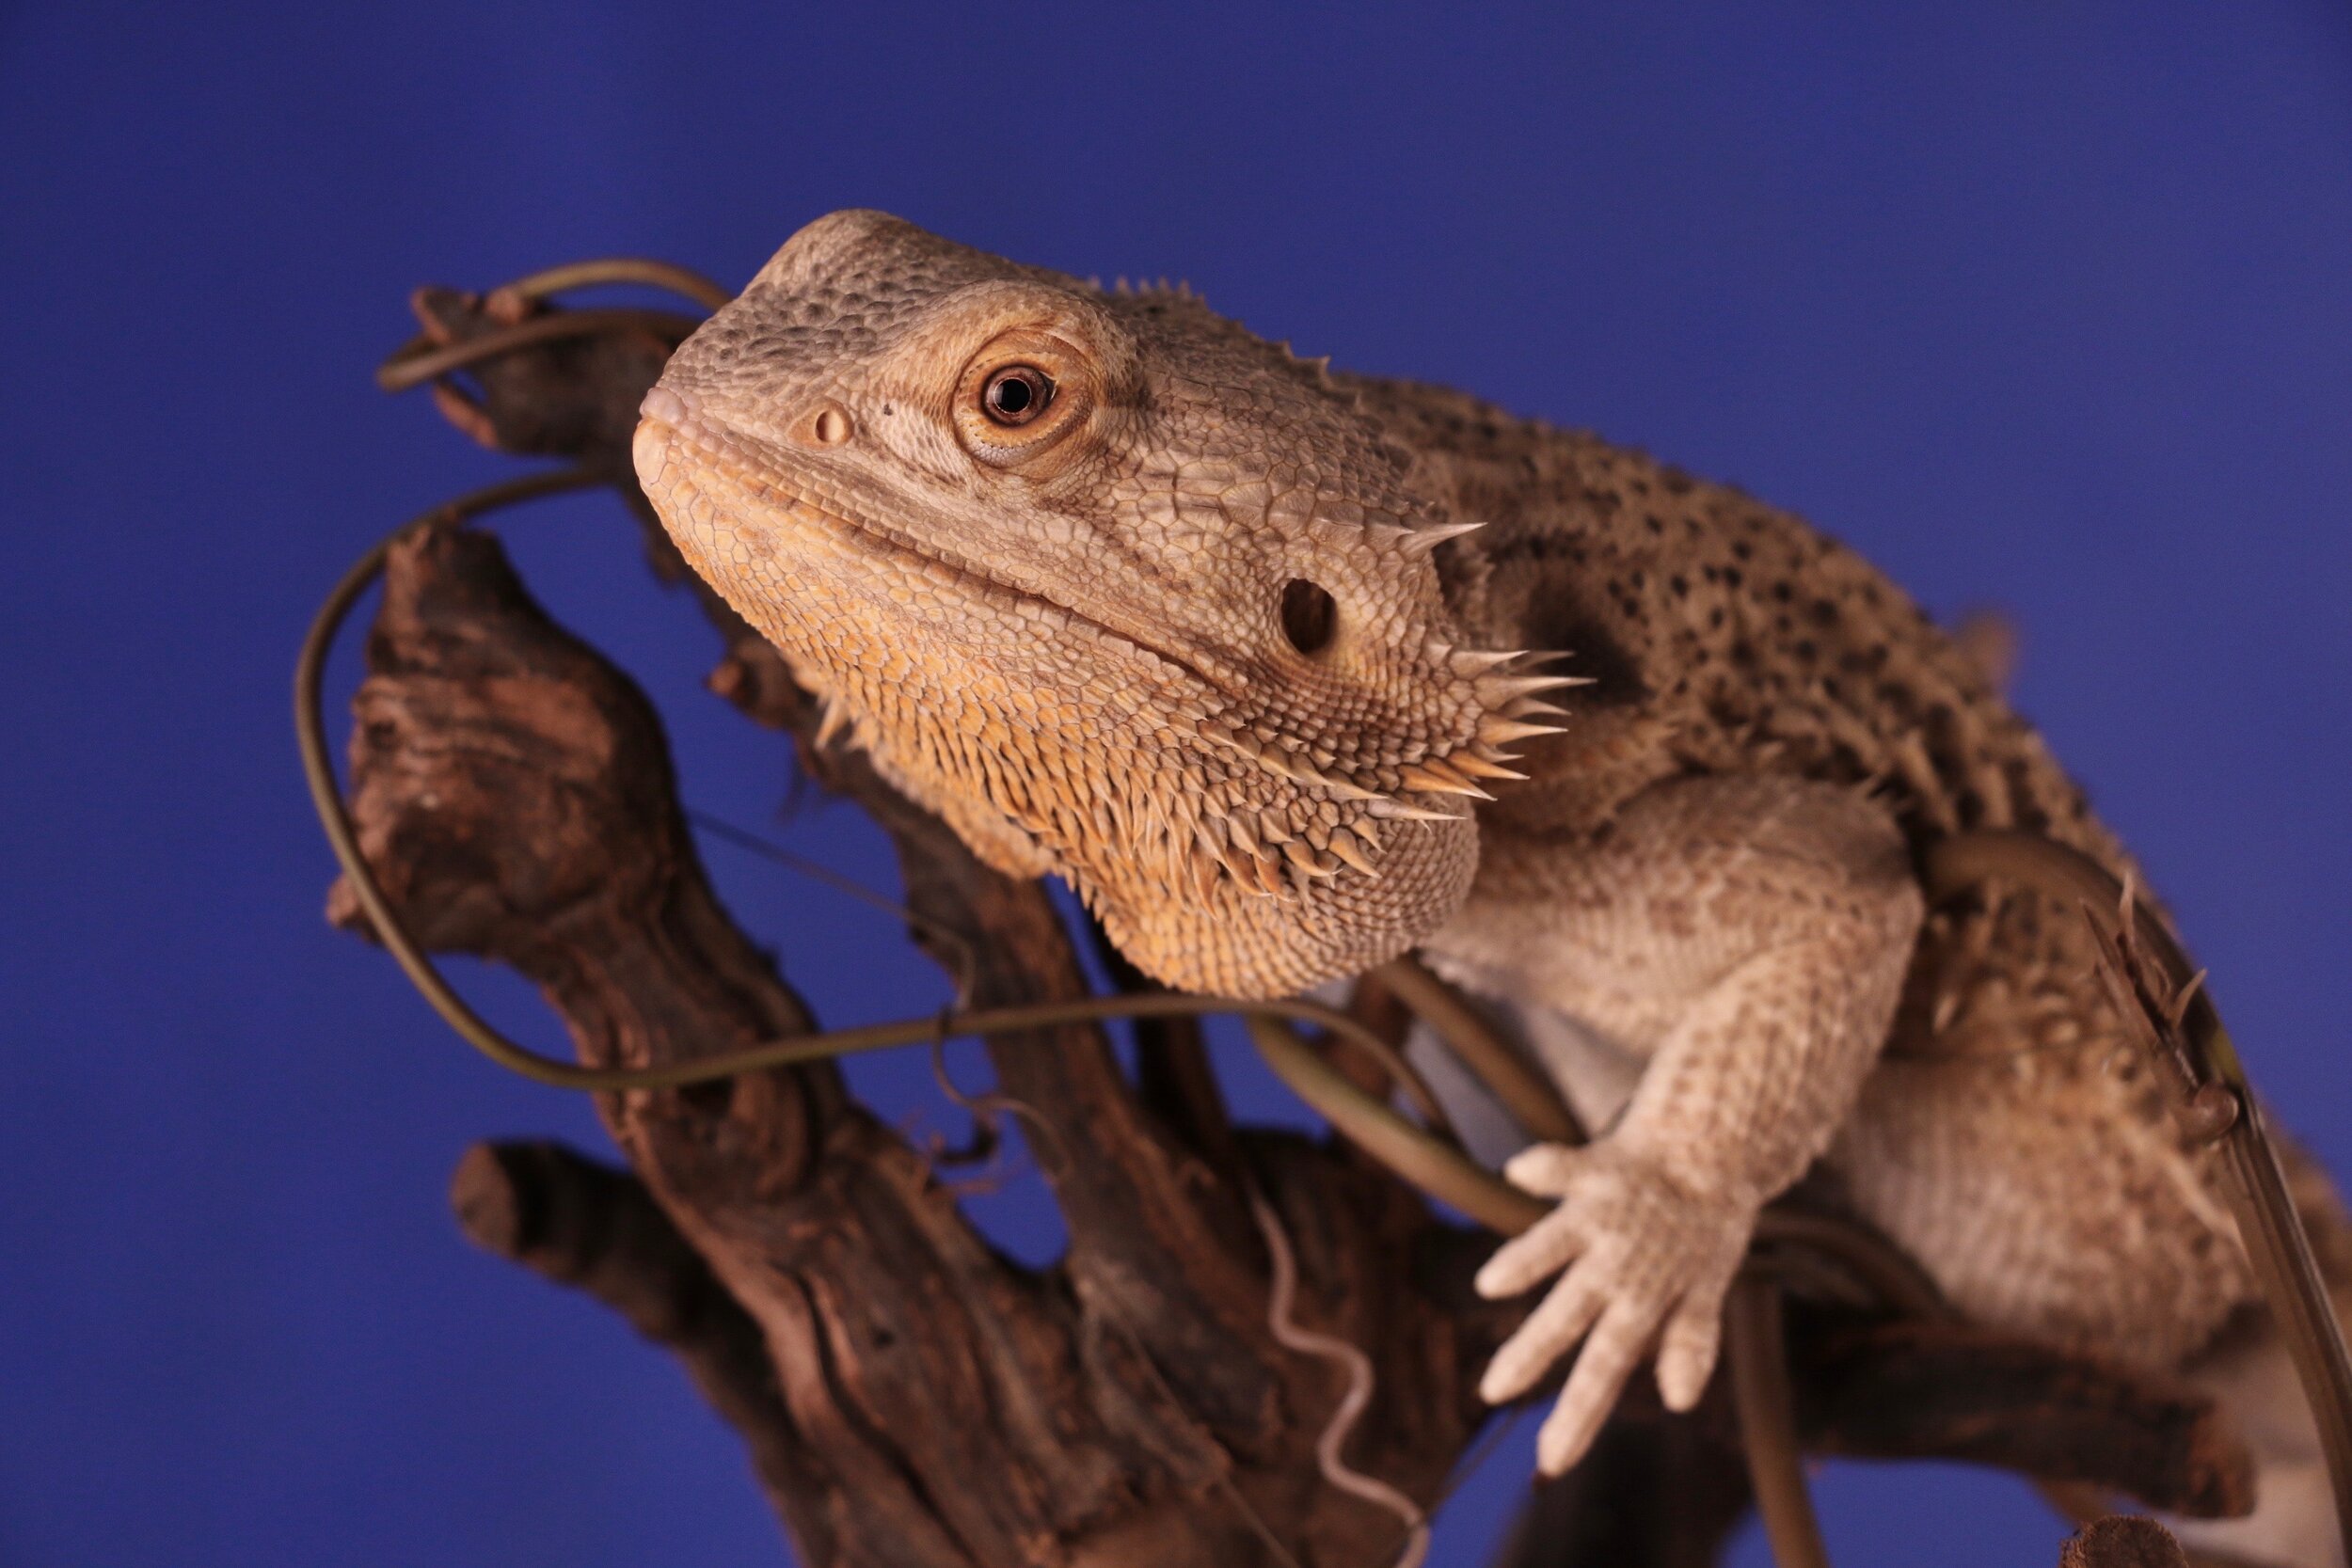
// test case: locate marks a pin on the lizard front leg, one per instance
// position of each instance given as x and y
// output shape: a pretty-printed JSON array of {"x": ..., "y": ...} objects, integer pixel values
[{"x": 1749, "y": 936}]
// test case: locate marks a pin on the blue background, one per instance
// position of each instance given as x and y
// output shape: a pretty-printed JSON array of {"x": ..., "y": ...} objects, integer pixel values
[{"x": 2042, "y": 306}]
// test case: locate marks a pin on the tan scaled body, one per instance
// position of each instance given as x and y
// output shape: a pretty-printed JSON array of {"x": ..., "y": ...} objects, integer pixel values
[{"x": 1241, "y": 648}]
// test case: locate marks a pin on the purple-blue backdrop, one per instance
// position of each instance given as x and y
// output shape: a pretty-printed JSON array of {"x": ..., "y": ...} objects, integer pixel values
[{"x": 2043, "y": 306}]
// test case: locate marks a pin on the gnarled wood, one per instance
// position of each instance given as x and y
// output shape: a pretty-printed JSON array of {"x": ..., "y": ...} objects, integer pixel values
[{"x": 513, "y": 792}]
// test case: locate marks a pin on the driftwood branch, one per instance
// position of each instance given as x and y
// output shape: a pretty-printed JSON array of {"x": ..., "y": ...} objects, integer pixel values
[
  {"x": 907, "y": 1395},
  {"x": 1921, "y": 1391},
  {"x": 943, "y": 1404}
]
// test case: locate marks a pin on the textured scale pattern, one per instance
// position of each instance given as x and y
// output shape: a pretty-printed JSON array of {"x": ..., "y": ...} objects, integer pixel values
[
  {"x": 1607, "y": 742},
  {"x": 2007, "y": 1136}
]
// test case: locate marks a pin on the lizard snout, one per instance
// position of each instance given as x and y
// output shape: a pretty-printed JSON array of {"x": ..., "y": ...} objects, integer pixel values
[{"x": 665, "y": 404}]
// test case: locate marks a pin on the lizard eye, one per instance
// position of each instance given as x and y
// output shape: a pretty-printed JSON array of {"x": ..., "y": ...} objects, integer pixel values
[
  {"x": 1020, "y": 399},
  {"x": 1016, "y": 394}
]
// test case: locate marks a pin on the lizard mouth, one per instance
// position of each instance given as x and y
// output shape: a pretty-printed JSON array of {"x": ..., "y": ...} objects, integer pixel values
[
  {"x": 698, "y": 472},
  {"x": 668, "y": 423}
]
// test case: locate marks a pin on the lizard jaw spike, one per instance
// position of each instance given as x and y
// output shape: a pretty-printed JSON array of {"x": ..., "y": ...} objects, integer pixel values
[
  {"x": 1243, "y": 840},
  {"x": 1475, "y": 663},
  {"x": 1281, "y": 761},
  {"x": 1232, "y": 739},
  {"x": 1432, "y": 776},
  {"x": 1470, "y": 762},
  {"x": 1287, "y": 764},
  {"x": 1343, "y": 844},
  {"x": 1307, "y": 858},
  {"x": 831, "y": 725},
  {"x": 1300, "y": 768},
  {"x": 1423, "y": 540},
  {"x": 1498, "y": 731},
  {"x": 1500, "y": 689},
  {"x": 1246, "y": 873},
  {"x": 1271, "y": 883},
  {"x": 1391, "y": 810}
]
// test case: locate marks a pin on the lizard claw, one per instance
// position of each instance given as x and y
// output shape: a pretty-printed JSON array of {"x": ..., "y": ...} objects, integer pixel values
[
  {"x": 1544, "y": 1169},
  {"x": 1647, "y": 1263}
]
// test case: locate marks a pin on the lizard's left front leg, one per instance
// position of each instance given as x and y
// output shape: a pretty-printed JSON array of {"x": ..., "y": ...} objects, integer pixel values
[{"x": 1750, "y": 937}]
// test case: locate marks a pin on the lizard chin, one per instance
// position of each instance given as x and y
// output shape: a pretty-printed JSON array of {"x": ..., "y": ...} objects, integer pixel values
[
  {"x": 1256, "y": 932},
  {"x": 1216, "y": 863}
]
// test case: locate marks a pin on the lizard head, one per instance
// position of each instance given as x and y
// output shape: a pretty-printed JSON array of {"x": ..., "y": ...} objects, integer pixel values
[{"x": 1121, "y": 591}]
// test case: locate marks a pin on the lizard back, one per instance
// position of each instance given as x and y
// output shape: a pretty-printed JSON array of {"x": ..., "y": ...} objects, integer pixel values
[{"x": 1723, "y": 636}]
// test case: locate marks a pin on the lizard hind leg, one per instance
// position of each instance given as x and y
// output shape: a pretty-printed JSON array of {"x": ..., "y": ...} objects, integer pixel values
[{"x": 2011, "y": 1140}]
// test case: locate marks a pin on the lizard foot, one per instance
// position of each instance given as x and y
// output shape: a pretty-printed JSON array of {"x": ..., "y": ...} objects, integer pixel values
[{"x": 1648, "y": 1260}]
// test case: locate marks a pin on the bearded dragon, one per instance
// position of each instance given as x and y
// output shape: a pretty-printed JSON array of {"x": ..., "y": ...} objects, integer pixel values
[{"x": 1289, "y": 672}]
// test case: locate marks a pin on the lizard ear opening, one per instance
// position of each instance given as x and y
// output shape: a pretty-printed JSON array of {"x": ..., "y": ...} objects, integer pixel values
[{"x": 1311, "y": 617}]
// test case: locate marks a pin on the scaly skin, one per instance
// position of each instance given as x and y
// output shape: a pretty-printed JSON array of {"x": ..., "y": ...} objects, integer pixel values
[{"x": 1074, "y": 633}]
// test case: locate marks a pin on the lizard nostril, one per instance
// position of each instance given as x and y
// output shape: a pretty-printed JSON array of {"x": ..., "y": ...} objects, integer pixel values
[
  {"x": 1310, "y": 616},
  {"x": 831, "y": 427}
]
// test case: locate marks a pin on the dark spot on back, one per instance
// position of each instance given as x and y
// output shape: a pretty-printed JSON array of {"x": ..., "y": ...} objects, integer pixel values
[{"x": 1556, "y": 620}]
